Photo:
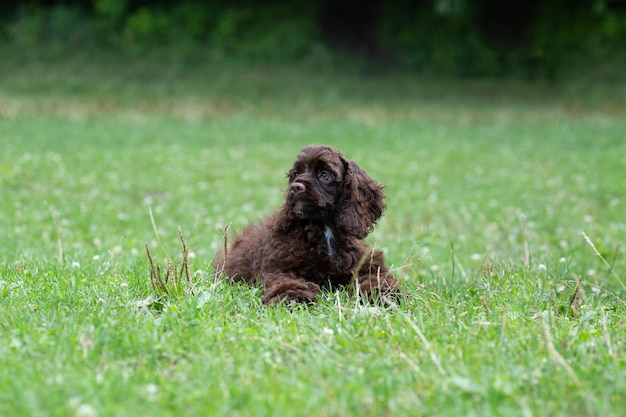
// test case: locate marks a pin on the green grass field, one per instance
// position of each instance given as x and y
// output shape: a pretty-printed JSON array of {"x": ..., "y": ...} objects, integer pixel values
[{"x": 506, "y": 225}]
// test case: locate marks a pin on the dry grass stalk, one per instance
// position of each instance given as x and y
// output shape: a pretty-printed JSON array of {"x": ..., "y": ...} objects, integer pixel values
[
  {"x": 155, "y": 275},
  {"x": 558, "y": 358},
  {"x": 456, "y": 263},
  {"x": 483, "y": 301},
  {"x": 355, "y": 274},
  {"x": 225, "y": 235},
  {"x": 170, "y": 272},
  {"x": 610, "y": 269},
  {"x": 221, "y": 261},
  {"x": 167, "y": 281},
  {"x": 185, "y": 264},
  {"x": 574, "y": 300}
]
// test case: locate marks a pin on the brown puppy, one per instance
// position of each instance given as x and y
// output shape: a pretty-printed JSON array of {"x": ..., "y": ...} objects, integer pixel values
[{"x": 314, "y": 239}]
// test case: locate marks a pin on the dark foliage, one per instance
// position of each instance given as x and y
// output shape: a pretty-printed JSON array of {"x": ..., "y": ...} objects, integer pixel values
[{"x": 463, "y": 37}]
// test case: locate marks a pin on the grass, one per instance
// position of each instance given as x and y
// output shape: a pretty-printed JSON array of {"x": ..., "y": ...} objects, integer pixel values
[{"x": 511, "y": 310}]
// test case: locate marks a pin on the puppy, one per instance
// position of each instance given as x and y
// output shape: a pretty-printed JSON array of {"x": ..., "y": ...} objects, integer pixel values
[{"x": 315, "y": 239}]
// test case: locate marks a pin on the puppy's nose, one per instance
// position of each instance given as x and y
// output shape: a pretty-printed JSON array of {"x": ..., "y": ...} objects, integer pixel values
[{"x": 296, "y": 187}]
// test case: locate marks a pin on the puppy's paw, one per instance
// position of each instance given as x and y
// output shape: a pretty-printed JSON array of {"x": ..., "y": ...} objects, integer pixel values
[{"x": 292, "y": 291}]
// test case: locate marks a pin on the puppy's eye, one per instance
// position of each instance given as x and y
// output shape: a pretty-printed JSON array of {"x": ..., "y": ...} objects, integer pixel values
[{"x": 325, "y": 176}]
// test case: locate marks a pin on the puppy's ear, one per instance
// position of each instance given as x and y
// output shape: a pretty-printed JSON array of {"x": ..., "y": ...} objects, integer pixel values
[{"x": 360, "y": 203}]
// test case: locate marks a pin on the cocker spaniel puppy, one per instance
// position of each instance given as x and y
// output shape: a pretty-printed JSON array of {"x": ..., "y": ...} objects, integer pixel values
[{"x": 314, "y": 240}]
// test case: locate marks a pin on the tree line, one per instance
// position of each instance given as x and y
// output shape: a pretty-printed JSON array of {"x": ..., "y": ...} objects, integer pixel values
[{"x": 462, "y": 37}]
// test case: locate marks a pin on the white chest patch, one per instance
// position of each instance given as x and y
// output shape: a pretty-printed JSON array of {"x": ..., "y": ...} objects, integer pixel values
[{"x": 328, "y": 234}]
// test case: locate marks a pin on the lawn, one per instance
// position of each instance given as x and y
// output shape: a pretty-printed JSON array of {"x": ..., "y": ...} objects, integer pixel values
[{"x": 505, "y": 226}]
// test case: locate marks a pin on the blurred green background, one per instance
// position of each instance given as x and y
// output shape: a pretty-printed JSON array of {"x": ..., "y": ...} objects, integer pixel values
[
  {"x": 532, "y": 38},
  {"x": 497, "y": 128}
]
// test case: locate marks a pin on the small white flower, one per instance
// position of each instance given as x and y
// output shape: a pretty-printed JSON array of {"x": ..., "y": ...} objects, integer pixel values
[
  {"x": 86, "y": 410},
  {"x": 328, "y": 331},
  {"x": 73, "y": 402},
  {"x": 116, "y": 250},
  {"x": 124, "y": 284},
  {"x": 75, "y": 264},
  {"x": 96, "y": 257},
  {"x": 562, "y": 260},
  {"x": 476, "y": 257},
  {"x": 152, "y": 389},
  {"x": 591, "y": 272},
  {"x": 82, "y": 409},
  {"x": 542, "y": 267}
]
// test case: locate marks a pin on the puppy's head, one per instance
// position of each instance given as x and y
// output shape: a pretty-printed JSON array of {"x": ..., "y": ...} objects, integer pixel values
[
  {"x": 315, "y": 182},
  {"x": 325, "y": 186}
]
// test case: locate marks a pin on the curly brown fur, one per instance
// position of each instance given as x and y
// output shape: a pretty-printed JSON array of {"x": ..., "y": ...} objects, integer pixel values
[{"x": 314, "y": 240}]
